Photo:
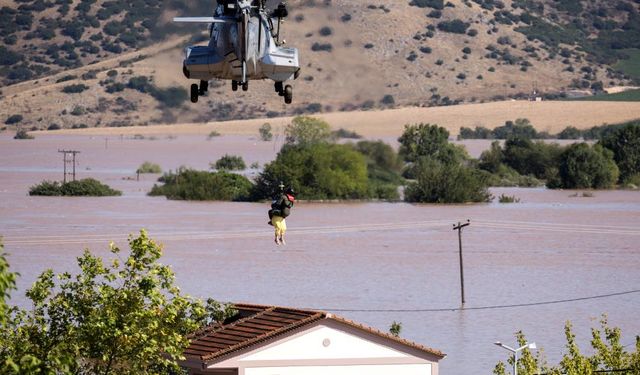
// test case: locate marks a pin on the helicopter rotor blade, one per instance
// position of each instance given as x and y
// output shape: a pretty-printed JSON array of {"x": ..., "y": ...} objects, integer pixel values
[{"x": 205, "y": 19}]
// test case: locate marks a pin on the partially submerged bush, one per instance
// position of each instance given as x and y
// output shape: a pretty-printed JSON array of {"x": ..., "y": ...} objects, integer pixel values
[
  {"x": 188, "y": 184},
  {"x": 85, "y": 187},
  {"x": 265, "y": 132},
  {"x": 508, "y": 199},
  {"x": 22, "y": 134},
  {"x": 229, "y": 163},
  {"x": 438, "y": 182},
  {"x": 148, "y": 167}
]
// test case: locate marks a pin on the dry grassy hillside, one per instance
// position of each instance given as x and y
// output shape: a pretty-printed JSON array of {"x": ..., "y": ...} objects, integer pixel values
[
  {"x": 549, "y": 116},
  {"x": 355, "y": 55}
]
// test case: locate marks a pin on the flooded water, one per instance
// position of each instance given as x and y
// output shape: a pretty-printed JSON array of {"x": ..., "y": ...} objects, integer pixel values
[{"x": 371, "y": 262}]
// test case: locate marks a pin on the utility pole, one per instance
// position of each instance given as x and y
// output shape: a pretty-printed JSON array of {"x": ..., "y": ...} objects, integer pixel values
[
  {"x": 69, "y": 161},
  {"x": 459, "y": 229}
]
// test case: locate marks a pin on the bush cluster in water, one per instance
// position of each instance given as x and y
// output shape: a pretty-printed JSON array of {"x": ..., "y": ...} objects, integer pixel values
[{"x": 85, "y": 187}]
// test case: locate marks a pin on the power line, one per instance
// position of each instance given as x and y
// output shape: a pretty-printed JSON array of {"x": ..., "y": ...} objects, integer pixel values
[{"x": 490, "y": 307}]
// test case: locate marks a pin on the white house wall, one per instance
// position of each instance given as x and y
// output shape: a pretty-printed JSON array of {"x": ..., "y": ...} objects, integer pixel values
[
  {"x": 324, "y": 343},
  {"x": 409, "y": 369}
]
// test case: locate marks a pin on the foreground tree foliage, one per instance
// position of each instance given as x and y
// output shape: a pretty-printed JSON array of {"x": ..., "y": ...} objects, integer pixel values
[
  {"x": 609, "y": 355},
  {"x": 188, "y": 184},
  {"x": 125, "y": 317}
]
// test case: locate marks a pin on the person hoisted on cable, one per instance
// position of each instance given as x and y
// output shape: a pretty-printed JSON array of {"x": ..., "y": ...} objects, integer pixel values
[{"x": 281, "y": 208}]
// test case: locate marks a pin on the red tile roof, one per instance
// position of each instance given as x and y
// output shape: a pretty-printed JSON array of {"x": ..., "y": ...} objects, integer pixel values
[{"x": 258, "y": 323}]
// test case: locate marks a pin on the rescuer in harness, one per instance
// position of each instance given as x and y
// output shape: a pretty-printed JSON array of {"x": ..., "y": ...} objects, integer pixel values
[{"x": 280, "y": 209}]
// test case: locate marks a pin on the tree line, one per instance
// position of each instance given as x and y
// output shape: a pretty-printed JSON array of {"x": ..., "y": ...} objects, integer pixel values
[
  {"x": 430, "y": 168},
  {"x": 523, "y": 128}
]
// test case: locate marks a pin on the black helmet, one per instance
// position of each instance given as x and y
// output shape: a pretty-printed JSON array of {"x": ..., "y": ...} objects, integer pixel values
[{"x": 290, "y": 191}]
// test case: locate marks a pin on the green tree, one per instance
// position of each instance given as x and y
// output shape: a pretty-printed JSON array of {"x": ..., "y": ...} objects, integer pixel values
[
  {"x": 583, "y": 166},
  {"x": 316, "y": 171},
  {"x": 427, "y": 140},
  {"x": 491, "y": 159},
  {"x": 305, "y": 130},
  {"x": 438, "y": 182},
  {"x": 383, "y": 169},
  {"x": 531, "y": 158},
  {"x": 625, "y": 144},
  {"x": 527, "y": 363},
  {"x": 125, "y": 317}
]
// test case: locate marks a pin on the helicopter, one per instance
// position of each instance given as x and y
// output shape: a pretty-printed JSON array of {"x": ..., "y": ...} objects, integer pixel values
[{"x": 244, "y": 45}]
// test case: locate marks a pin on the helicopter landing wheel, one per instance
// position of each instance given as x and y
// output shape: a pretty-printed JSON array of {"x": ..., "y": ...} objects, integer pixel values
[
  {"x": 278, "y": 87},
  {"x": 245, "y": 86},
  {"x": 234, "y": 85},
  {"x": 194, "y": 93},
  {"x": 288, "y": 94}
]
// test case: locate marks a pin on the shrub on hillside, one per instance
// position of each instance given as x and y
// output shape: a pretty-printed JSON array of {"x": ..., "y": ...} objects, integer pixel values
[
  {"x": 75, "y": 89},
  {"x": 170, "y": 97},
  {"x": 229, "y": 163},
  {"x": 13, "y": 119},
  {"x": 435, "y": 4},
  {"x": 84, "y": 187},
  {"x": 455, "y": 26},
  {"x": 188, "y": 184}
]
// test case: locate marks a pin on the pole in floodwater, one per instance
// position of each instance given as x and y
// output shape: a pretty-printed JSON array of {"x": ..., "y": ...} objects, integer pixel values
[{"x": 459, "y": 229}]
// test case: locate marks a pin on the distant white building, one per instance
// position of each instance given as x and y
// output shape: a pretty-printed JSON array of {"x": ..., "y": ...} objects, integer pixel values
[{"x": 270, "y": 340}]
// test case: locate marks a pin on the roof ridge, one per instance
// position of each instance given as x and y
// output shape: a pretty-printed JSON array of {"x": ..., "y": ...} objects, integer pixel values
[
  {"x": 264, "y": 336},
  {"x": 378, "y": 332}
]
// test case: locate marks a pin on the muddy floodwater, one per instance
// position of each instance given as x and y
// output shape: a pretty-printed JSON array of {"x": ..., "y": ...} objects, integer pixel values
[{"x": 371, "y": 262}]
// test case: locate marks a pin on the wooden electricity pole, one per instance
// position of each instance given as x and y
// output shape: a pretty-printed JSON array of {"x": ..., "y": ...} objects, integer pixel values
[
  {"x": 69, "y": 161},
  {"x": 459, "y": 229}
]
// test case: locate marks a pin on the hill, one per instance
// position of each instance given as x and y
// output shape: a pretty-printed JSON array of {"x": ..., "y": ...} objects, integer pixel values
[{"x": 111, "y": 63}]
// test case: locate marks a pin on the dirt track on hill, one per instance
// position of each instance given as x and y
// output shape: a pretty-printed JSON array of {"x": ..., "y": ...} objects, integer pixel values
[{"x": 545, "y": 116}]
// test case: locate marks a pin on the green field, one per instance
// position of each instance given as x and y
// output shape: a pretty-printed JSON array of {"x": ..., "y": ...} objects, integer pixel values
[
  {"x": 631, "y": 66},
  {"x": 626, "y": 96}
]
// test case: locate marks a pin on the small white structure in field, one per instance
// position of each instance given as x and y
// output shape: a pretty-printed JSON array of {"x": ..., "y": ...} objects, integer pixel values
[{"x": 270, "y": 340}]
